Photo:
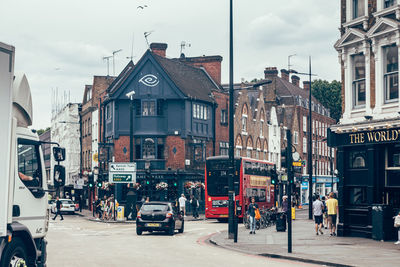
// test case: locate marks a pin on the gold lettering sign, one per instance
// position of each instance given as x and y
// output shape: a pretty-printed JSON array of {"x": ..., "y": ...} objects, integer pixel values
[
  {"x": 259, "y": 180},
  {"x": 375, "y": 136}
]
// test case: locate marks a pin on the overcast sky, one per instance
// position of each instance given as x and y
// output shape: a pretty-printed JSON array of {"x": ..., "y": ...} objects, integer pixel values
[{"x": 60, "y": 44}]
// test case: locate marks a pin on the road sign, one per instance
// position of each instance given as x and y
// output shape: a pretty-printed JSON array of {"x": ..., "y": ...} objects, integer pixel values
[
  {"x": 122, "y": 177},
  {"x": 122, "y": 172},
  {"x": 123, "y": 167},
  {"x": 297, "y": 163}
]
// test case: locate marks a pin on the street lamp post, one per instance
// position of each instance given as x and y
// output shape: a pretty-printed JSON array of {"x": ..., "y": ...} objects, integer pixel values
[{"x": 131, "y": 95}]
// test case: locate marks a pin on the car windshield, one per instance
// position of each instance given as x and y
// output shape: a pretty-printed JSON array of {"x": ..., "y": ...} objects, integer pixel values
[
  {"x": 66, "y": 202},
  {"x": 155, "y": 207}
]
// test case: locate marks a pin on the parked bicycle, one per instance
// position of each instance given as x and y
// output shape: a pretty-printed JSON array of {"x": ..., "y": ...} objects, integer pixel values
[{"x": 268, "y": 218}]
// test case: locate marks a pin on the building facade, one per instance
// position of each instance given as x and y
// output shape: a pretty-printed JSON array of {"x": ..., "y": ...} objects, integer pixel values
[
  {"x": 65, "y": 130},
  {"x": 367, "y": 136},
  {"x": 174, "y": 109}
]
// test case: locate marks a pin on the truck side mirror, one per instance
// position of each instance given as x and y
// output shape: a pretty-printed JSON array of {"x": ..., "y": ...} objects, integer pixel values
[
  {"x": 59, "y": 153},
  {"x": 59, "y": 175}
]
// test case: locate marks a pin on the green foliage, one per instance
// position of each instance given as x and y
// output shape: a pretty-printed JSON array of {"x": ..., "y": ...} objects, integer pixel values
[
  {"x": 41, "y": 131},
  {"x": 329, "y": 94}
]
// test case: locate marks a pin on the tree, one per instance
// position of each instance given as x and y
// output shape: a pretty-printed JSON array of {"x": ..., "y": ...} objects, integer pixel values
[{"x": 329, "y": 94}]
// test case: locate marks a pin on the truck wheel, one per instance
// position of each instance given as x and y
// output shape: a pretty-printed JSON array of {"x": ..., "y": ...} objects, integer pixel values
[{"x": 15, "y": 254}]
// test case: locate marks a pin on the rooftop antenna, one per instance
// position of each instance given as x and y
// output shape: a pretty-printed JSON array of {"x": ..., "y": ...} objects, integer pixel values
[
  {"x": 108, "y": 64},
  {"x": 133, "y": 39},
  {"x": 289, "y": 65},
  {"x": 184, "y": 45},
  {"x": 146, "y": 34},
  {"x": 113, "y": 56}
]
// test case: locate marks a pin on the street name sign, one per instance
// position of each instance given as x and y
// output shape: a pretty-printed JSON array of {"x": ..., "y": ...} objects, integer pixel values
[{"x": 124, "y": 172}]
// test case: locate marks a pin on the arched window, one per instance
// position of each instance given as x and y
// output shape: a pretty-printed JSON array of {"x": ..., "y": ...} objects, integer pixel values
[
  {"x": 238, "y": 146},
  {"x": 244, "y": 118},
  {"x": 258, "y": 148},
  {"x": 249, "y": 147},
  {"x": 149, "y": 149}
]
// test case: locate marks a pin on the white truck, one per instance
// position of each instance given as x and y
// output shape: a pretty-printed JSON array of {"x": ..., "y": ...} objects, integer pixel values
[{"x": 24, "y": 215}]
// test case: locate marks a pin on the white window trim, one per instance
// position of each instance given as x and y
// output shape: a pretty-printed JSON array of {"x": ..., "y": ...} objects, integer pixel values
[
  {"x": 360, "y": 20},
  {"x": 381, "y": 11}
]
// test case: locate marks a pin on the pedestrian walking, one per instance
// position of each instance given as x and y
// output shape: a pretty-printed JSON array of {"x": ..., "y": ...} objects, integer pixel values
[
  {"x": 285, "y": 204},
  {"x": 97, "y": 206},
  {"x": 251, "y": 212},
  {"x": 58, "y": 209},
  {"x": 182, "y": 204},
  {"x": 195, "y": 205},
  {"x": 397, "y": 226},
  {"x": 318, "y": 207},
  {"x": 333, "y": 211},
  {"x": 325, "y": 213}
]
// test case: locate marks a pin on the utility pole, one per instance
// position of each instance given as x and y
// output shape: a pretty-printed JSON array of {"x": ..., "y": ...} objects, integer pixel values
[
  {"x": 231, "y": 191},
  {"x": 310, "y": 182},
  {"x": 289, "y": 163}
]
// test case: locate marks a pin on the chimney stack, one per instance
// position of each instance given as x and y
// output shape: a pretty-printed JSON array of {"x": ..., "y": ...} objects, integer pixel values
[
  {"x": 306, "y": 85},
  {"x": 296, "y": 80},
  {"x": 285, "y": 74},
  {"x": 159, "y": 49},
  {"x": 270, "y": 72},
  {"x": 211, "y": 64}
]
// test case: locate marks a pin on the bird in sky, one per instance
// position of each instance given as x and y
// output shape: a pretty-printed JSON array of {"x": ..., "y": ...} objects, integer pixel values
[{"x": 142, "y": 7}]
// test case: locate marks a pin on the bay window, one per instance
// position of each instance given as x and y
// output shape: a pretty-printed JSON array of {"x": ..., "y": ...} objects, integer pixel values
[
  {"x": 358, "y": 81},
  {"x": 358, "y": 8},
  {"x": 391, "y": 73}
]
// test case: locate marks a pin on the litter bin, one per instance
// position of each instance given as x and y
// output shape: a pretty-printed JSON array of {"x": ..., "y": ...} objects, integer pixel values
[
  {"x": 120, "y": 213},
  {"x": 281, "y": 222},
  {"x": 382, "y": 222}
]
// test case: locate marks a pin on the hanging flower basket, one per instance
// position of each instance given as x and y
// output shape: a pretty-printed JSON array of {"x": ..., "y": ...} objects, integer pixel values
[
  {"x": 200, "y": 185},
  {"x": 162, "y": 186},
  {"x": 189, "y": 185}
]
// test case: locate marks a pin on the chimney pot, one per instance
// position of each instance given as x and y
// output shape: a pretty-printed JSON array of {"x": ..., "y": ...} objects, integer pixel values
[
  {"x": 306, "y": 85},
  {"x": 285, "y": 74},
  {"x": 270, "y": 72},
  {"x": 159, "y": 49},
  {"x": 296, "y": 80}
]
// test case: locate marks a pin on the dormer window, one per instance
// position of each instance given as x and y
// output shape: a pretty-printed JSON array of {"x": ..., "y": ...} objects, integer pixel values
[
  {"x": 358, "y": 81},
  {"x": 358, "y": 8},
  {"x": 391, "y": 73}
]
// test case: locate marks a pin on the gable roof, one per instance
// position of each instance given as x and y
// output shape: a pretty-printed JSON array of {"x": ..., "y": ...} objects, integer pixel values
[
  {"x": 383, "y": 26},
  {"x": 193, "y": 82},
  {"x": 119, "y": 80},
  {"x": 351, "y": 36}
]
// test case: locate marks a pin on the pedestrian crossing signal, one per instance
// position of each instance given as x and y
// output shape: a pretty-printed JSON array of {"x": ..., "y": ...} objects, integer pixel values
[
  {"x": 90, "y": 185},
  {"x": 99, "y": 184}
]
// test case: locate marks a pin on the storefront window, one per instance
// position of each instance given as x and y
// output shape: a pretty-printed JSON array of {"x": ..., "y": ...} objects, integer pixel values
[
  {"x": 357, "y": 195},
  {"x": 393, "y": 157}
]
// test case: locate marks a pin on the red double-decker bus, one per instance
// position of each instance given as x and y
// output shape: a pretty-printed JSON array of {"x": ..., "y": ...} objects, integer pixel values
[{"x": 252, "y": 179}]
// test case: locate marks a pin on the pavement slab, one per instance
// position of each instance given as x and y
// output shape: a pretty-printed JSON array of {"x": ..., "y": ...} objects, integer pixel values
[{"x": 309, "y": 247}]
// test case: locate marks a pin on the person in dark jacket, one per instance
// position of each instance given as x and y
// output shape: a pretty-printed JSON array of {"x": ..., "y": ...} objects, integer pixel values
[
  {"x": 251, "y": 211},
  {"x": 195, "y": 205},
  {"x": 285, "y": 204},
  {"x": 58, "y": 209}
]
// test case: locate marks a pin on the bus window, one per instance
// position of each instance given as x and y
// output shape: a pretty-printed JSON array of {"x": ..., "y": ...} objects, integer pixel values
[{"x": 217, "y": 177}]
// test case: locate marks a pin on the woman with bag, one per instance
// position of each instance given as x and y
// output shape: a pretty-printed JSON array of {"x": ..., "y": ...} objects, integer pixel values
[
  {"x": 397, "y": 225},
  {"x": 252, "y": 215}
]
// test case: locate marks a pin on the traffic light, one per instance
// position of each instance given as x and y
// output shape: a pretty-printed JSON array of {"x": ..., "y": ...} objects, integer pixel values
[
  {"x": 99, "y": 184},
  {"x": 283, "y": 159},
  {"x": 274, "y": 176},
  {"x": 90, "y": 181},
  {"x": 59, "y": 175}
]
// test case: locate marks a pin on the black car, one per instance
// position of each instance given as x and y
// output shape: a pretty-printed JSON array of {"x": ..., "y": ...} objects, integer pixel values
[{"x": 159, "y": 216}]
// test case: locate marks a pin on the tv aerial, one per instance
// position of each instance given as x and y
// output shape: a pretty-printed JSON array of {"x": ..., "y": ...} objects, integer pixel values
[
  {"x": 108, "y": 64},
  {"x": 184, "y": 45},
  {"x": 146, "y": 34}
]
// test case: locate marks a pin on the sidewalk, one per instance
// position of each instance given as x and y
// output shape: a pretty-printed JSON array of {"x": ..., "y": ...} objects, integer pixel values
[{"x": 308, "y": 247}]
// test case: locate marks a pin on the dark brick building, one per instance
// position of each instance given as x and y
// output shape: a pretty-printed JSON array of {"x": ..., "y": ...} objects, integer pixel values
[{"x": 176, "y": 104}]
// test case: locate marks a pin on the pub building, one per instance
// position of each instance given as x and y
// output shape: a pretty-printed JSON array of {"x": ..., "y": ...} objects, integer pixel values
[
  {"x": 172, "y": 113},
  {"x": 367, "y": 136}
]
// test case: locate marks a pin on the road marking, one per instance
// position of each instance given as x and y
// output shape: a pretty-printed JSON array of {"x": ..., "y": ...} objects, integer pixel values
[{"x": 195, "y": 229}]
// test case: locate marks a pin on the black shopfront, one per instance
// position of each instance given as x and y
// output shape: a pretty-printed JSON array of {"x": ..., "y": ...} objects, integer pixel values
[{"x": 368, "y": 163}]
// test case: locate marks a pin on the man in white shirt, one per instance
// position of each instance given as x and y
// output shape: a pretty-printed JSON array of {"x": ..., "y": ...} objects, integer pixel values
[
  {"x": 182, "y": 204},
  {"x": 318, "y": 208}
]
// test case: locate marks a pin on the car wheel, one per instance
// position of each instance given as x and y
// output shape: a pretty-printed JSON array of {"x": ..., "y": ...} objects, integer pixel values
[
  {"x": 138, "y": 231},
  {"x": 171, "y": 230},
  {"x": 182, "y": 228}
]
